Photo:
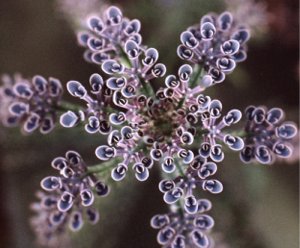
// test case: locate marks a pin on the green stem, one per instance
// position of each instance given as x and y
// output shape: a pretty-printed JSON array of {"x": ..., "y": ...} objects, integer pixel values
[
  {"x": 240, "y": 133},
  {"x": 109, "y": 109},
  {"x": 140, "y": 146},
  {"x": 103, "y": 167},
  {"x": 179, "y": 207},
  {"x": 180, "y": 170},
  {"x": 181, "y": 102},
  {"x": 66, "y": 106},
  {"x": 124, "y": 58},
  {"x": 147, "y": 90},
  {"x": 197, "y": 75},
  {"x": 97, "y": 169}
]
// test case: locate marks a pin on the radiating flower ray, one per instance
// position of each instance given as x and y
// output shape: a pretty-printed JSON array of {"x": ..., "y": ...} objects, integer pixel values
[
  {"x": 31, "y": 104},
  {"x": 267, "y": 135},
  {"x": 217, "y": 44},
  {"x": 67, "y": 201}
]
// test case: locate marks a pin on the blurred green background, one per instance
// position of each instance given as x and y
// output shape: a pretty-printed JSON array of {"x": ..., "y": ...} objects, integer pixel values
[{"x": 259, "y": 207}]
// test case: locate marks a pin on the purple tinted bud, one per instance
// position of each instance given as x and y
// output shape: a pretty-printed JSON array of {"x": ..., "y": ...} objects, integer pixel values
[
  {"x": 166, "y": 185},
  {"x": 165, "y": 235},
  {"x": 116, "y": 83},
  {"x": 96, "y": 82},
  {"x": 188, "y": 39},
  {"x": 213, "y": 186},
  {"x": 105, "y": 152},
  {"x": 234, "y": 143},
  {"x": 69, "y": 119},
  {"x": 230, "y": 47},
  {"x": 204, "y": 222},
  {"x": 95, "y": 24},
  {"x": 173, "y": 195},
  {"x": 206, "y": 170},
  {"x": 208, "y": 30},
  {"x": 19, "y": 108},
  {"x": 101, "y": 188},
  {"x": 133, "y": 27},
  {"x": 76, "y": 89},
  {"x": 92, "y": 215},
  {"x": 112, "y": 67},
  {"x": 191, "y": 204},
  {"x": 40, "y": 84},
  {"x": 76, "y": 222},
  {"x": 119, "y": 172},
  {"x": 286, "y": 131},
  {"x": 242, "y": 36},
  {"x": 282, "y": 150},
  {"x": 199, "y": 239},
  {"x": 263, "y": 154},
  {"x": 159, "y": 221},
  {"x": 51, "y": 183},
  {"x": 274, "y": 115},
  {"x": 66, "y": 201},
  {"x": 87, "y": 197},
  {"x": 114, "y": 15},
  {"x": 141, "y": 172},
  {"x": 168, "y": 165}
]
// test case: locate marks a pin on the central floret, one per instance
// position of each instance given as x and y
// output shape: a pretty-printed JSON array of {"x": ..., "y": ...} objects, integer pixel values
[{"x": 160, "y": 119}]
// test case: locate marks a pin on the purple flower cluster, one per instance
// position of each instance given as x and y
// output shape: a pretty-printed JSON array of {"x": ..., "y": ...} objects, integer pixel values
[
  {"x": 267, "y": 135},
  {"x": 106, "y": 35},
  {"x": 217, "y": 44},
  {"x": 45, "y": 223},
  {"x": 69, "y": 196},
  {"x": 30, "y": 103},
  {"x": 182, "y": 187},
  {"x": 175, "y": 127},
  {"x": 180, "y": 230}
]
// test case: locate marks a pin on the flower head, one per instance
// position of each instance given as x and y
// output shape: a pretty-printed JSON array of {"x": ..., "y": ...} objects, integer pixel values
[
  {"x": 179, "y": 230},
  {"x": 217, "y": 44},
  {"x": 182, "y": 187},
  {"x": 106, "y": 35},
  {"x": 69, "y": 197},
  {"x": 267, "y": 135},
  {"x": 30, "y": 103},
  {"x": 50, "y": 224},
  {"x": 175, "y": 126}
]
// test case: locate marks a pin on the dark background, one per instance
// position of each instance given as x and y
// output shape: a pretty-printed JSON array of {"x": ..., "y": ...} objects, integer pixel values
[{"x": 259, "y": 206}]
